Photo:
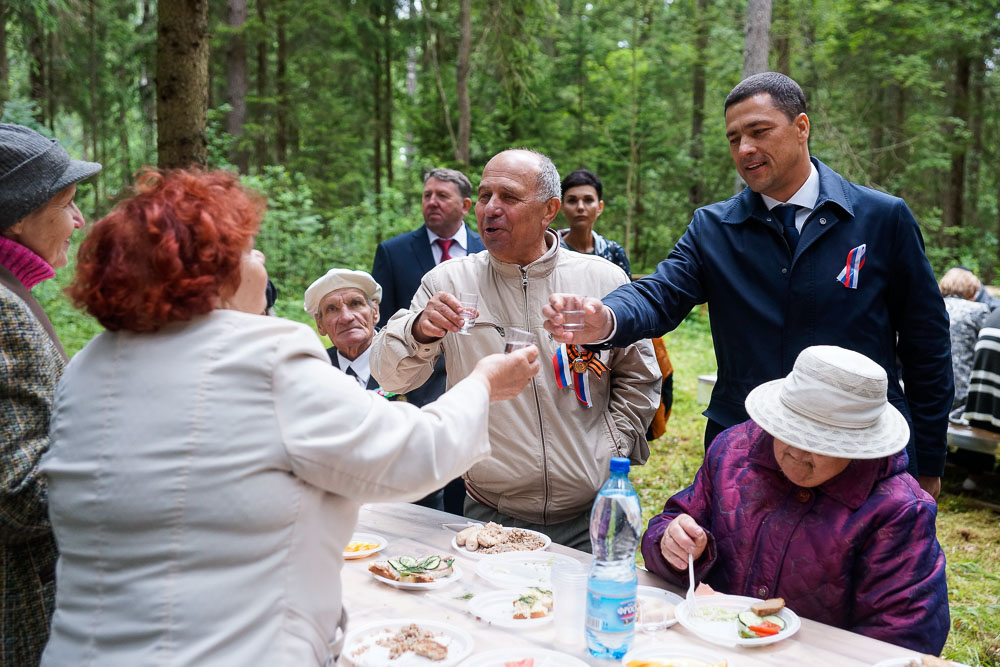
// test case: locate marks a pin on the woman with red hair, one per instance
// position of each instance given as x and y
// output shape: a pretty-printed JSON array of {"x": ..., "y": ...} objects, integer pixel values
[{"x": 207, "y": 462}]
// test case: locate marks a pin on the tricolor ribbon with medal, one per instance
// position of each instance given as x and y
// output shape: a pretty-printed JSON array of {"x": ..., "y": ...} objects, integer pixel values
[{"x": 571, "y": 364}]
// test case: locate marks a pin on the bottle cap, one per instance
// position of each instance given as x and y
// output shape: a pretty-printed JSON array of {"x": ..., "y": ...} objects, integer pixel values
[{"x": 620, "y": 464}]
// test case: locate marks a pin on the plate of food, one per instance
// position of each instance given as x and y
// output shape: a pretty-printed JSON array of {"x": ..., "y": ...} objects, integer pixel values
[
  {"x": 513, "y": 608},
  {"x": 672, "y": 656},
  {"x": 478, "y": 540},
  {"x": 655, "y": 608},
  {"x": 363, "y": 545},
  {"x": 522, "y": 569},
  {"x": 406, "y": 643},
  {"x": 522, "y": 657},
  {"x": 734, "y": 620},
  {"x": 919, "y": 661},
  {"x": 416, "y": 573}
]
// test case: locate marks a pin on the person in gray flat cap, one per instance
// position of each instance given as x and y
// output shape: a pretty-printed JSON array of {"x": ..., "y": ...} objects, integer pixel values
[
  {"x": 37, "y": 217},
  {"x": 345, "y": 304}
]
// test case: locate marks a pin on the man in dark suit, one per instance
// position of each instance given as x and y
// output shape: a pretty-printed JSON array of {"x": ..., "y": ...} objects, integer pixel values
[{"x": 401, "y": 262}]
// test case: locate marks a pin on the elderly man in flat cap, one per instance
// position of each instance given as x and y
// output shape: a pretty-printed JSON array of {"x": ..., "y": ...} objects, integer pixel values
[{"x": 344, "y": 304}]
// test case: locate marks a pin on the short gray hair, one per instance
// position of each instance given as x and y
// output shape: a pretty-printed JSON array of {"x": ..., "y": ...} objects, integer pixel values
[
  {"x": 460, "y": 180},
  {"x": 547, "y": 183}
]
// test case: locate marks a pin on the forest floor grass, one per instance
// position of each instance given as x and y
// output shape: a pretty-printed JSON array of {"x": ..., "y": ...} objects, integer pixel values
[{"x": 969, "y": 533}]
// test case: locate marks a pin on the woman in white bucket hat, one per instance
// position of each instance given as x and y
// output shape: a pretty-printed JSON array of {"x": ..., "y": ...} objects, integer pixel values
[{"x": 809, "y": 500}]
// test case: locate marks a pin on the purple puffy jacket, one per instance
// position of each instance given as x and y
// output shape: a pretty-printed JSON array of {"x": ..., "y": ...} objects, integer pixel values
[{"x": 858, "y": 552}]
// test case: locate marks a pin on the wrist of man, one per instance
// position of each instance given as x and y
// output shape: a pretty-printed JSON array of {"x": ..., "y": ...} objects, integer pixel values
[{"x": 418, "y": 334}]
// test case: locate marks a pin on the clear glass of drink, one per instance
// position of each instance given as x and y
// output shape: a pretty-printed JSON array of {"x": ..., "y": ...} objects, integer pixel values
[
  {"x": 572, "y": 320},
  {"x": 468, "y": 304},
  {"x": 518, "y": 338}
]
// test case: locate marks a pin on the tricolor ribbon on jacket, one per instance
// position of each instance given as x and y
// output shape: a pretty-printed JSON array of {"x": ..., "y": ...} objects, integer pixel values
[
  {"x": 571, "y": 364},
  {"x": 855, "y": 260}
]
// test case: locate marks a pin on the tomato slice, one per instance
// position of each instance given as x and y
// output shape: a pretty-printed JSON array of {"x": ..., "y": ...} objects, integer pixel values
[
  {"x": 766, "y": 629},
  {"x": 527, "y": 662}
]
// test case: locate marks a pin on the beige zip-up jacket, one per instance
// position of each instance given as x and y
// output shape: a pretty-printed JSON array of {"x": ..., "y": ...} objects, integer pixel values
[{"x": 550, "y": 453}]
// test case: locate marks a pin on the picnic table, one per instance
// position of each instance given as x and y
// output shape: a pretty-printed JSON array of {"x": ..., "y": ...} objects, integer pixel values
[{"x": 414, "y": 530}]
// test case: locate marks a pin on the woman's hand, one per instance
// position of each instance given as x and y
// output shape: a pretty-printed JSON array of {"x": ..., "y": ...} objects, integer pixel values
[
  {"x": 505, "y": 375},
  {"x": 683, "y": 536}
]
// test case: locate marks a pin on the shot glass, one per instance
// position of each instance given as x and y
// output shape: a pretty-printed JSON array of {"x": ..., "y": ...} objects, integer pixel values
[
  {"x": 468, "y": 303},
  {"x": 572, "y": 320},
  {"x": 518, "y": 338}
]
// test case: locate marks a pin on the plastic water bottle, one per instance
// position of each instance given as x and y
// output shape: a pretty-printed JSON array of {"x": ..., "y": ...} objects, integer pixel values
[{"x": 615, "y": 527}]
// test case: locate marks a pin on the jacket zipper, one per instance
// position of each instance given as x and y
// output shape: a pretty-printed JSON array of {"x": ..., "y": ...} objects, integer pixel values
[{"x": 538, "y": 410}]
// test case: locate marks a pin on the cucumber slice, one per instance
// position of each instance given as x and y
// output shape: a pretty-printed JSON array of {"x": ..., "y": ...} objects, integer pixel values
[
  {"x": 777, "y": 620},
  {"x": 395, "y": 564},
  {"x": 748, "y": 618},
  {"x": 407, "y": 561},
  {"x": 431, "y": 562}
]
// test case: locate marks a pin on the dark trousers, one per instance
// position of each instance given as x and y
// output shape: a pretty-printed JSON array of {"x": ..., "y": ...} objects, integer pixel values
[{"x": 712, "y": 429}]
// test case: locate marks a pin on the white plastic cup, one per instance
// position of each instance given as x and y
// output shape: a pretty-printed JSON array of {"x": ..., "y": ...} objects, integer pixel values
[{"x": 569, "y": 604}]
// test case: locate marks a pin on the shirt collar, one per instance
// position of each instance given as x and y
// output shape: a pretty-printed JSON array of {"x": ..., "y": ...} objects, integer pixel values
[
  {"x": 806, "y": 196},
  {"x": 361, "y": 365},
  {"x": 461, "y": 236}
]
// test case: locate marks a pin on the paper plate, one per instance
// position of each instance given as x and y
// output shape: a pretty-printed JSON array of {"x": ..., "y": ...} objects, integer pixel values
[
  {"x": 715, "y": 620},
  {"x": 657, "y": 594},
  {"x": 378, "y": 540},
  {"x": 903, "y": 662},
  {"x": 504, "y": 656},
  {"x": 521, "y": 569},
  {"x": 478, "y": 554},
  {"x": 675, "y": 655},
  {"x": 422, "y": 586},
  {"x": 361, "y": 650},
  {"x": 497, "y": 608}
]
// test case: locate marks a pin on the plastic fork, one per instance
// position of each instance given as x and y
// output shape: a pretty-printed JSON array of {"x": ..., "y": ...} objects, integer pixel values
[{"x": 690, "y": 594}]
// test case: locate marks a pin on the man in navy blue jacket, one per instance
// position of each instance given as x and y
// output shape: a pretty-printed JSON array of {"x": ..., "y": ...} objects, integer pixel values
[
  {"x": 400, "y": 264},
  {"x": 800, "y": 257}
]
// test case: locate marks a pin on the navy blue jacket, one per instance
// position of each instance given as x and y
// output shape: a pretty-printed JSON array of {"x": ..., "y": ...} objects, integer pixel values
[
  {"x": 400, "y": 264},
  {"x": 767, "y": 305}
]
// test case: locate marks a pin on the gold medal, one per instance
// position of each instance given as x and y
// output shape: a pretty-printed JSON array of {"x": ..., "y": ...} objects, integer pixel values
[{"x": 579, "y": 366}]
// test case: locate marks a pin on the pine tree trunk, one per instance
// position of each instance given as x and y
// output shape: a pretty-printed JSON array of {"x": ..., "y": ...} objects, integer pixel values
[
  {"x": 976, "y": 152},
  {"x": 260, "y": 146},
  {"x": 36, "y": 66},
  {"x": 236, "y": 80},
  {"x": 182, "y": 44},
  {"x": 4, "y": 68},
  {"x": 462, "y": 81},
  {"x": 387, "y": 87},
  {"x": 96, "y": 112},
  {"x": 377, "y": 122},
  {"x": 698, "y": 101},
  {"x": 757, "y": 40},
  {"x": 281, "y": 81},
  {"x": 954, "y": 210}
]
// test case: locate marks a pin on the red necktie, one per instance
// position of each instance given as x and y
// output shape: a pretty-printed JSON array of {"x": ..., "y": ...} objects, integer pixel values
[{"x": 445, "y": 244}]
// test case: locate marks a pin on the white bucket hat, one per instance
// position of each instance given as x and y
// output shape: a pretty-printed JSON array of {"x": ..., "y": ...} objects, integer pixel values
[
  {"x": 337, "y": 279},
  {"x": 832, "y": 403}
]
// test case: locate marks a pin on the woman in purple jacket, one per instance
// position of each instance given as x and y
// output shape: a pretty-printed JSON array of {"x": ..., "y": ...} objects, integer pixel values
[{"x": 810, "y": 501}]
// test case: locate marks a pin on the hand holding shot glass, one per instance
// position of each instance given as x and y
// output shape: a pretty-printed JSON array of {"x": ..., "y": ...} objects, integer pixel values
[
  {"x": 518, "y": 338},
  {"x": 446, "y": 313},
  {"x": 468, "y": 304}
]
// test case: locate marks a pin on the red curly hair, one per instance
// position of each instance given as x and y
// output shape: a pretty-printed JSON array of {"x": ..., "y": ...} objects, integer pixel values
[{"x": 168, "y": 252}]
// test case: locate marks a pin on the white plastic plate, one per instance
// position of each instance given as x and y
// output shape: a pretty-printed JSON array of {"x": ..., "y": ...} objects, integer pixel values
[
  {"x": 504, "y": 656},
  {"x": 497, "y": 608},
  {"x": 478, "y": 554},
  {"x": 903, "y": 662},
  {"x": 378, "y": 540},
  {"x": 681, "y": 656},
  {"x": 521, "y": 569},
  {"x": 422, "y": 586},
  {"x": 715, "y": 620},
  {"x": 361, "y": 650},
  {"x": 666, "y": 597}
]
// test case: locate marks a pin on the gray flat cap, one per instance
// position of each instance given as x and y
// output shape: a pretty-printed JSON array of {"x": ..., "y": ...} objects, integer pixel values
[{"x": 33, "y": 170}]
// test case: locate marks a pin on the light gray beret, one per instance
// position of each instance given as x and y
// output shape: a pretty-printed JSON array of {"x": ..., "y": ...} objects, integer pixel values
[{"x": 337, "y": 279}]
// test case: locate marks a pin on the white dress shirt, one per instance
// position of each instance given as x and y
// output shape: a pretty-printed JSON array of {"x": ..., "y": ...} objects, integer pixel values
[
  {"x": 460, "y": 247},
  {"x": 805, "y": 198},
  {"x": 362, "y": 369}
]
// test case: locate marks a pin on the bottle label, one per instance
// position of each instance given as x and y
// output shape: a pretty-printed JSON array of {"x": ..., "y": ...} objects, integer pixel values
[{"x": 609, "y": 613}]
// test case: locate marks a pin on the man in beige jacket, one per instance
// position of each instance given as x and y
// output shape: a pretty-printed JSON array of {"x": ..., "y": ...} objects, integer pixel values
[{"x": 550, "y": 445}]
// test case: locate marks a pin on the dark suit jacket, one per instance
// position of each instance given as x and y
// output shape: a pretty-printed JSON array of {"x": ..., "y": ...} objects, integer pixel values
[
  {"x": 400, "y": 264},
  {"x": 335, "y": 360}
]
